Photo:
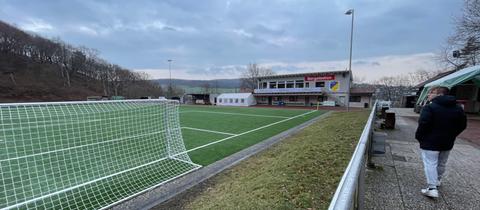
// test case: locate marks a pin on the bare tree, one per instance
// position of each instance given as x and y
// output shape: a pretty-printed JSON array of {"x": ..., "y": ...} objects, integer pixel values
[
  {"x": 466, "y": 40},
  {"x": 206, "y": 88},
  {"x": 251, "y": 74},
  {"x": 73, "y": 64},
  {"x": 420, "y": 76}
]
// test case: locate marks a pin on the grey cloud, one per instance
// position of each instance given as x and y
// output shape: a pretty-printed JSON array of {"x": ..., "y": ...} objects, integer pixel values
[
  {"x": 363, "y": 62},
  {"x": 200, "y": 34}
]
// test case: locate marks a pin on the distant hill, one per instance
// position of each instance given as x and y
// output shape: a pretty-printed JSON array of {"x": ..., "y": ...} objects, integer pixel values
[
  {"x": 219, "y": 83},
  {"x": 199, "y": 86},
  {"x": 33, "y": 68}
]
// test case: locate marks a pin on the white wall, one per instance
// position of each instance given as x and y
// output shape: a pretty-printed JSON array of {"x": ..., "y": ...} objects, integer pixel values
[
  {"x": 236, "y": 100},
  {"x": 363, "y": 100}
]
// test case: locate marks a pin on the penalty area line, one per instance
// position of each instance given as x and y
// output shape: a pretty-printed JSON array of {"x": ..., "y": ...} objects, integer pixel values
[
  {"x": 238, "y": 114},
  {"x": 209, "y": 131},
  {"x": 246, "y": 132}
]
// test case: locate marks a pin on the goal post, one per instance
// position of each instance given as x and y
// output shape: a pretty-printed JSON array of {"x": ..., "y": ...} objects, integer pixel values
[{"x": 87, "y": 155}]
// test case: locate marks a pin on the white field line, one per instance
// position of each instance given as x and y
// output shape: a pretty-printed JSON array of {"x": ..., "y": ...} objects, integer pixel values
[
  {"x": 246, "y": 132},
  {"x": 70, "y": 122},
  {"x": 80, "y": 146},
  {"x": 146, "y": 164},
  {"x": 152, "y": 187},
  {"x": 81, "y": 185},
  {"x": 197, "y": 165},
  {"x": 48, "y": 125},
  {"x": 233, "y": 113},
  {"x": 210, "y": 131},
  {"x": 106, "y": 177}
]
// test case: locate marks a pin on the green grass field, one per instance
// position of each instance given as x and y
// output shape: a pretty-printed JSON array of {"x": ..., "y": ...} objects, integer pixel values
[
  {"x": 301, "y": 172},
  {"x": 70, "y": 161},
  {"x": 241, "y": 124}
]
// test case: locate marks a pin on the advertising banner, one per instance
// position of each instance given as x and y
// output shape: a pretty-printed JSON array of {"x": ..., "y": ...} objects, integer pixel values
[{"x": 324, "y": 77}]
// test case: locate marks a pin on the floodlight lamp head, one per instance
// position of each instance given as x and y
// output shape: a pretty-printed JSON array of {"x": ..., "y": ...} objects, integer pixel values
[{"x": 349, "y": 12}]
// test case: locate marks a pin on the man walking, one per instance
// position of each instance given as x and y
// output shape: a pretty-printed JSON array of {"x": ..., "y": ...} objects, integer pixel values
[{"x": 440, "y": 123}]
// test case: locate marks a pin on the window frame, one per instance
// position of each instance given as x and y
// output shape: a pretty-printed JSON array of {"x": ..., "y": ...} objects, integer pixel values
[
  {"x": 355, "y": 97},
  {"x": 272, "y": 85},
  {"x": 320, "y": 84}
]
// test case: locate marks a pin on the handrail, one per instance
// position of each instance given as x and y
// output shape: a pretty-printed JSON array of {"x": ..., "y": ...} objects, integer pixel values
[{"x": 349, "y": 193}]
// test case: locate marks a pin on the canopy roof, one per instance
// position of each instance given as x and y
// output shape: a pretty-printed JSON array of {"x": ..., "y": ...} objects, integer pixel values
[{"x": 451, "y": 80}]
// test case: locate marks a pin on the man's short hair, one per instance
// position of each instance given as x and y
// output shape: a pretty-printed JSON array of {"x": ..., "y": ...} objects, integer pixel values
[{"x": 440, "y": 90}]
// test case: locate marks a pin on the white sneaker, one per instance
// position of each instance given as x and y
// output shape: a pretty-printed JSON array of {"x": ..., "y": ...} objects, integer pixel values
[{"x": 432, "y": 193}]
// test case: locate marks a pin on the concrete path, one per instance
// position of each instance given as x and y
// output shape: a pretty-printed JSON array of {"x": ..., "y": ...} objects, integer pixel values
[{"x": 397, "y": 181}]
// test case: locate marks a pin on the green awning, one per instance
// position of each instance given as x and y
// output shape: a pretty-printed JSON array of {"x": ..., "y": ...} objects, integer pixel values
[{"x": 456, "y": 78}]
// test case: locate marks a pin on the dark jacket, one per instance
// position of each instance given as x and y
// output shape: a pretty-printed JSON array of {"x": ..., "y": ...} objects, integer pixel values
[{"x": 440, "y": 123}]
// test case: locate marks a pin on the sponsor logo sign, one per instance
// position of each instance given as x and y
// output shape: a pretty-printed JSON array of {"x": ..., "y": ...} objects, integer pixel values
[
  {"x": 334, "y": 86},
  {"x": 324, "y": 77}
]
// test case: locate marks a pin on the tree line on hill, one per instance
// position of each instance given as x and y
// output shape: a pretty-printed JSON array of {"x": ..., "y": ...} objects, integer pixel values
[{"x": 31, "y": 65}]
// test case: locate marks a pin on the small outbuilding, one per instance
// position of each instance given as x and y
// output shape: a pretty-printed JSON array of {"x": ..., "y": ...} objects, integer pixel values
[
  {"x": 361, "y": 97},
  {"x": 236, "y": 99},
  {"x": 464, "y": 84}
]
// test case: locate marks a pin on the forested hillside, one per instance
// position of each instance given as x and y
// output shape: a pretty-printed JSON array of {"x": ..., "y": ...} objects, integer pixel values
[{"x": 33, "y": 68}]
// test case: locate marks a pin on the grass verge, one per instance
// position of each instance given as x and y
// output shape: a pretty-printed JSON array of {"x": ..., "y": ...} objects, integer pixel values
[{"x": 301, "y": 172}]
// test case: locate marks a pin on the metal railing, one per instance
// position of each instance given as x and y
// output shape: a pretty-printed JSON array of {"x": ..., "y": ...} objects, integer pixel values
[{"x": 350, "y": 190}]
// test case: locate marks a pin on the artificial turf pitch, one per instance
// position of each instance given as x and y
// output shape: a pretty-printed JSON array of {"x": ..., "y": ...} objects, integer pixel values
[
  {"x": 209, "y": 134},
  {"x": 234, "y": 120}
]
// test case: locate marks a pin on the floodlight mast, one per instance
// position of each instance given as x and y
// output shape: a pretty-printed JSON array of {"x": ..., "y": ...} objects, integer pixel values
[
  {"x": 350, "y": 12},
  {"x": 170, "y": 88},
  {"x": 170, "y": 70}
]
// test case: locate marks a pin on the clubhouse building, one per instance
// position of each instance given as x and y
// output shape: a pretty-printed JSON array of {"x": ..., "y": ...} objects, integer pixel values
[{"x": 310, "y": 89}]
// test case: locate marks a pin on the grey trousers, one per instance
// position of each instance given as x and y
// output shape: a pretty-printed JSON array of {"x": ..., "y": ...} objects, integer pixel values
[{"x": 434, "y": 163}]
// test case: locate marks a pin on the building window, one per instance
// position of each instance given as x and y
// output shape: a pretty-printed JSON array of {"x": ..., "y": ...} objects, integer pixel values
[
  {"x": 307, "y": 84},
  {"x": 242, "y": 100},
  {"x": 263, "y": 98},
  {"x": 290, "y": 84},
  {"x": 231, "y": 100},
  {"x": 319, "y": 84},
  {"x": 299, "y": 84},
  {"x": 277, "y": 98},
  {"x": 236, "y": 100},
  {"x": 281, "y": 84},
  {"x": 220, "y": 100},
  {"x": 264, "y": 85},
  {"x": 292, "y": 98},
  {"x": 355, "y": 98},
  {"x": 273, "y": 85}
]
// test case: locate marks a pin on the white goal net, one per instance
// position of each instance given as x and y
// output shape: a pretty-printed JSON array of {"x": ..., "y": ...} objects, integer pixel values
[{"x": 87, "y": 155}]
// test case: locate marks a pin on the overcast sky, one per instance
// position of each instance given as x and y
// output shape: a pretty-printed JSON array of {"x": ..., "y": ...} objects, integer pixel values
[{"x": 216, "y": 39}]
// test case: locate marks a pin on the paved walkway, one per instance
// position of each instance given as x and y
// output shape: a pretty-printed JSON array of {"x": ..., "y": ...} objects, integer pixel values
[{"x": 397, "y": 181}]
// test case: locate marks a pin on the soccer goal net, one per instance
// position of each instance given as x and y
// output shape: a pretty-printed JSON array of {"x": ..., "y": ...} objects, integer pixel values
[{"x": 87, "y": 155}]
